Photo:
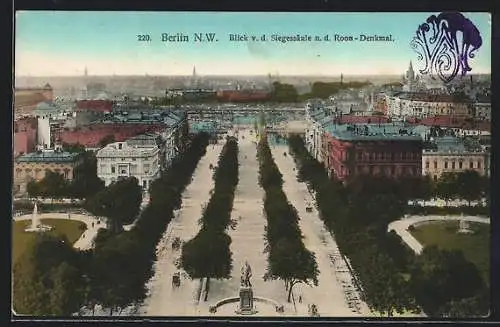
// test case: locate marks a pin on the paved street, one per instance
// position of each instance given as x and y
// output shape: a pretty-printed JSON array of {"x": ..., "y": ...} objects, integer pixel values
[
  {"x": 164, "y": 300},
  {"x": 335, "y": 287}
]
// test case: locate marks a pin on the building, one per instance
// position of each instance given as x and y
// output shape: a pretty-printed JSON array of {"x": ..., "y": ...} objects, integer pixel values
[
  {"x": 25, "y": 135},
  {"x": 94, "y": 105},
  {"x": 34, "y": 165},
  {"x": 120, "y": 159},
  {"x": 374, "y": 149},
  {"x": 452, "y": 155},
  {"x": 418, "y": 104}
]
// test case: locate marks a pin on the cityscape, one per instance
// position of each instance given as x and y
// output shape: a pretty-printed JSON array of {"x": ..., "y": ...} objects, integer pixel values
[{"x": 275, "y": 180}]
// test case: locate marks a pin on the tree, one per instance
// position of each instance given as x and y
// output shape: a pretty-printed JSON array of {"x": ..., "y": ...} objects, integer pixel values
[
  {"x": 440, "y": 276},
  {"x": 33, "y": 188},
  {"x": 292, "y": 263},
  {"x": 119, "y": 202},
  {"x": 43, "y": 275},
  {"x": 469, "y": 185},
  {"x": 115, "y": 282},
  {"x": 447, "y": 186},
  {"x": 207, "y": 255}
]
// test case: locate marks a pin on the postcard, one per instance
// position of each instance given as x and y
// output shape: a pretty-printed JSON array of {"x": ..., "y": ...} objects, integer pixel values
[{"x": 251, "y": 164}]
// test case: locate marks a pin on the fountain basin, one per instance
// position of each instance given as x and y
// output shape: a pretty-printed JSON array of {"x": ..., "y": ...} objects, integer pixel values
[
  {"x": 39, "y": 229},
  {"x": 269, "y": 304}
]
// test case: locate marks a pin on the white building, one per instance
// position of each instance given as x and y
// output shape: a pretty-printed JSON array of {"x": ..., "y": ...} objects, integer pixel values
[{"x": 121, "y": 159}]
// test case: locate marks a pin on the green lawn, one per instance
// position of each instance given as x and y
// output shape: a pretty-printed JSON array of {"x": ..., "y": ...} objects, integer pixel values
[
  {"x": 22, "y": 239},
  {"x": 475, "y": 247}
]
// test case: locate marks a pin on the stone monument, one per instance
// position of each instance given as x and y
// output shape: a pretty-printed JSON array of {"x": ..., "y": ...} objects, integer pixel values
[
  {"x": 246, "y": 306},
  {"x": 36, "y": 225}
]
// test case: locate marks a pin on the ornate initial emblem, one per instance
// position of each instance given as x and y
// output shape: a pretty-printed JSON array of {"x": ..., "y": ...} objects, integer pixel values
[{"x": 446, "y": 42}]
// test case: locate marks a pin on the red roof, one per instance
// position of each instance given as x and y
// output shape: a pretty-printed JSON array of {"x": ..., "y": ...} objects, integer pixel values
[
  {"x": 90, "y": 136},
  {"x": 95, "y": 105},
  {"x": 449, "y": 121}
]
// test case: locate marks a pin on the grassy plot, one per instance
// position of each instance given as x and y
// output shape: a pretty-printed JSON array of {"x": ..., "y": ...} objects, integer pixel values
[
  {"x": 72, "y": 229},
  {"x": 475, "y": 246}
]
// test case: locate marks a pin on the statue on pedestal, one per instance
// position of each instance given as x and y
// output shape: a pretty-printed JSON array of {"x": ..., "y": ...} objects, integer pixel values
[{"x": 246, "y": 273}]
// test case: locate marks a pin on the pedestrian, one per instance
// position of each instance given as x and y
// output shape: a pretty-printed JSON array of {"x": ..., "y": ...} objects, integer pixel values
[
  {"x": 92, "y": 224},
  {"x": 300, "y": 298}
]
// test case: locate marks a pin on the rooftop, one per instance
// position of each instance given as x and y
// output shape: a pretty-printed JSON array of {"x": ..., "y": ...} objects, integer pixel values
[
  {"x": 127, "y": 150},
  {"x": 372, "y": 132},
  {"x": 48, "y": 156}
]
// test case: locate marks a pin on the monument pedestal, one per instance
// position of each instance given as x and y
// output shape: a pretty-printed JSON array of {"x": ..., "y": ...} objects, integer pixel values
[{"x": 246, "y": 301}]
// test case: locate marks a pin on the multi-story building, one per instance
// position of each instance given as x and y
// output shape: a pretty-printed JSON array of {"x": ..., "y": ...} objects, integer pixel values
[
  {"x": 451, "y": 155},
  {"x": 417, "y": 104},
  {"x": 372, "y": 149},
  {"x": 120, "y": 159},
  {"x": 34, "y": 165}
]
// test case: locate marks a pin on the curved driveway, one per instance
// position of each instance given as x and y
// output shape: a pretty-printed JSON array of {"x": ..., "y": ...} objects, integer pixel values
[
  {"x": 86, "y": 239},
  {"x": 401, "y": 227}
]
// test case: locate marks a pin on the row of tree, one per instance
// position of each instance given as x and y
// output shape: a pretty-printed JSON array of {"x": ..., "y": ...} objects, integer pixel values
[
  {"x": 288, "y": 258},
  {"x": 392, "y": 277},
  {"x": 61, "y": 280},
  {"x": 84, "y": 183},
  {"x": 208, "y": 254}
]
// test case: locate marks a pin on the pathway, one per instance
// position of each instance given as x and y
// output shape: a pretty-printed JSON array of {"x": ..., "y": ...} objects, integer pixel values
[
  {"x": 85, "y": 241},
  {"x": 401, "y": 227}
]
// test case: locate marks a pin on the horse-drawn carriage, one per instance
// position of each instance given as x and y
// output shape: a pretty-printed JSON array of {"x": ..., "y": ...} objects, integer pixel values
[
  {"x": 176, "y": 279},
  {"x": 176, "y": 244}
]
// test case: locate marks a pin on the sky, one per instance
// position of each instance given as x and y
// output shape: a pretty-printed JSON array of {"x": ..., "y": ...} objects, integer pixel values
[{"x": 62, "y": 43}]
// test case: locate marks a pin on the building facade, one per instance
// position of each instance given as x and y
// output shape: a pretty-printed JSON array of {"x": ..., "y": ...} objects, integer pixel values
[
  {"x": 452, "y": 156},
  {"x": 416, "y": 104},
  {"x": 34, "y": 166},
  {"x": 371, "y": 150},
  {"x": 121, "y": 159}
]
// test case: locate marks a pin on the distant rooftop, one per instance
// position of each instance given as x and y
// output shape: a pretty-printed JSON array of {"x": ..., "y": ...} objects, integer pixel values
[
  {"x": 372, "y": 132},
  {"x": 48, "y": 156}
]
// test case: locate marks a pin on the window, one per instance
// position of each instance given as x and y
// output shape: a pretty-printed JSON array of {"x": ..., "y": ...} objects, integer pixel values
[
  {"x": 144, "y": 184},
  {"x": 453, "y": 165},
  {"x": 435, "y": 178},
  {"x": 393, "y": 170},
  {"x": 113, "y": 170},
  {"x": 460, "y": 164},
  {"x": 479, "y": 164},
  {"x": 471, "y": 165},
  {"x": 133, "y": 159},
  {"x": 427, "y": 165},
  {"x": 446, "y": 165},
  {"x": 435, "y": 164}
]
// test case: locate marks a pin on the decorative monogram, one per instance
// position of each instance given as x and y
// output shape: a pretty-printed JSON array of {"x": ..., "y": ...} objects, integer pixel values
[{"x": 446, "y": 42}]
